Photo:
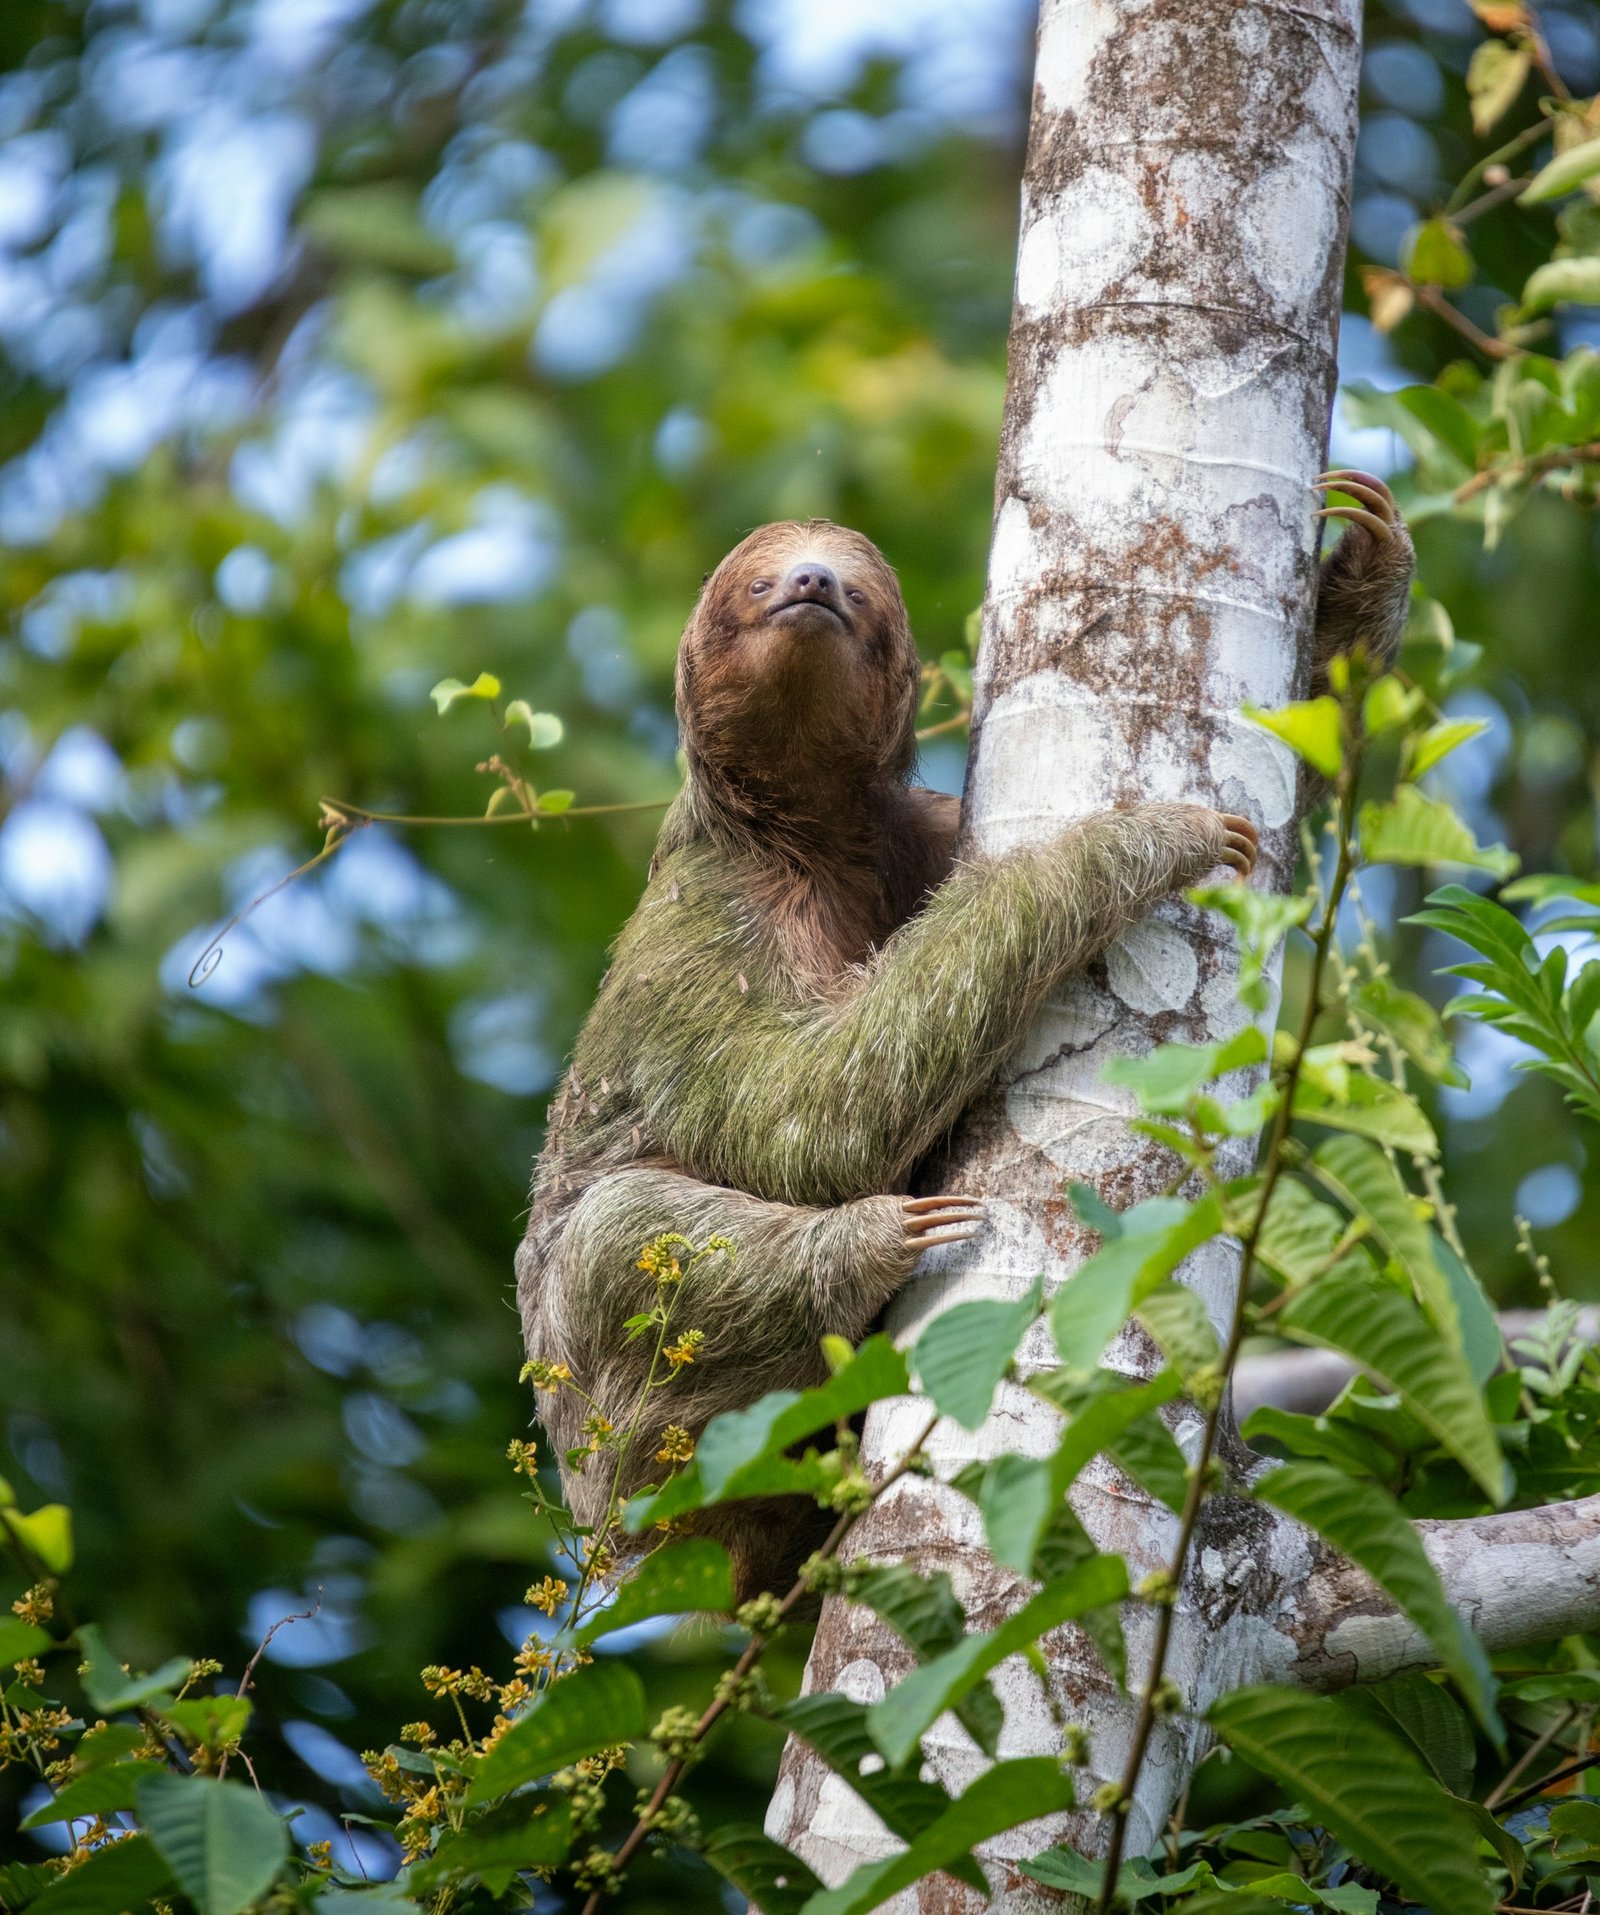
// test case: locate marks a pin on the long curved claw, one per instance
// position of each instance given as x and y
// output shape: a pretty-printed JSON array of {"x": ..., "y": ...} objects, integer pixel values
[
  {"x": 1369, "y": 490},
  {"x": 1241, "y": 845},
  {"x": 1357, "y": 516},
  {"x": 936, "y": 1220}
]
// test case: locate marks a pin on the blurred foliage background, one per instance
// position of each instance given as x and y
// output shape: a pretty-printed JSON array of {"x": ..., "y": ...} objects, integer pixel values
[{"x": 348, "y": 344}]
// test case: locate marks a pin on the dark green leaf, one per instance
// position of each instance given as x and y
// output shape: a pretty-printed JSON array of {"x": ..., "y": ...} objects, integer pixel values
[
  {"x": 529, "y": 1832},
  {"x": 109, "y": 1686},
  {"x": 223, "y": 1842},
  {"x": 122, "y": 1876},
  {"x": 1366, "y": 1786},
  {"x": 1009, "y": 1793},
  {"x": 591, "y": 1709},
  {"x": 670, "y": 1581},
  {"x": 775, "y": 1880},
  {"x": 101, "y": 1792}
]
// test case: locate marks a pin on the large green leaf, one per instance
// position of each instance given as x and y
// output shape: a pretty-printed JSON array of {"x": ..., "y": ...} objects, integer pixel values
[
  {"x": 1415, "y": 830},
  {"x": 1366, "y": 1786},
  {"x": 1310, "y": 728},
  {"x": 926, "y": 1612},
  {"x": 962, "y": 1355},
  {"x": 1369, "y": 1107},
  {"x": 670, "y": 1581},
  {"x": 110, "y": 1688},
  {"x": 898, "y": 1721},
  {"x": 1153, "y": 1238},
  {"x": 517, "y": 1835},
  {"x": 736, "y": 1451},
  {"x": 774, "y": 1878},
  {"x": 1002, "y": 1797},
  {"x": 19, "y": 1639},
  {"x": 1365, "y": 1180},
  {"x": 101, "y": 1792},
  {"x": 224, "y": 1842},
  {"x": 1369, "y": 1527},
  {"x": 122, "y": 1875},
  {"x": 591, "y": 1709},
  {"x": 1384, "y": 1333}
]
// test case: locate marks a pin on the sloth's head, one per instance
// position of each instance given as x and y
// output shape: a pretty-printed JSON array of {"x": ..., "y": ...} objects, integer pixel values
[{"x": 799, "y": 659}]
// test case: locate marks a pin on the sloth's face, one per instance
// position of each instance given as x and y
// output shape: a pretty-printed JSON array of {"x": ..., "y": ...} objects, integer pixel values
[{"x": 800, "y": 643}]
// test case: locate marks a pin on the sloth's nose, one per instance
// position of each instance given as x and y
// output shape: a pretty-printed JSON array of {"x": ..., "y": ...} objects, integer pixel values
[{"x": 811, "y": 579}]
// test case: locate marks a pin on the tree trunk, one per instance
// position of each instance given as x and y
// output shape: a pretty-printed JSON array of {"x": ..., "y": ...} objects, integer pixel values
[{"x": 1171, "y": 371}]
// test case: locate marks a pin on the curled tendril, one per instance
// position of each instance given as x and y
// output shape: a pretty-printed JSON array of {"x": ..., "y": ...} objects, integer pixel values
[{"x": 340, "y": 827}]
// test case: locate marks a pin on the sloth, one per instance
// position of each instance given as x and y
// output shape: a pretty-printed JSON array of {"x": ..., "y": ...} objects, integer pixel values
[{"x": 812, "y": 989}]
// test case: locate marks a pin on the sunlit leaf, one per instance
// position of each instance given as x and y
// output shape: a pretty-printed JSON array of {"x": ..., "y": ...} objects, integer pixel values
[
  {"x": 679, "y": 1577},
  {"x": 1435, "y": 254},
  {"x": 1311, "y": 728},
  {"x": 544, "y": 727},
  {"x": 1434, "y": 745},
  {"x": 450, "y": 691},
  {"x": 1496, "y": 76},
  {"x": 1564, "y": 174},
  {"x": 1412, "y": 829}
]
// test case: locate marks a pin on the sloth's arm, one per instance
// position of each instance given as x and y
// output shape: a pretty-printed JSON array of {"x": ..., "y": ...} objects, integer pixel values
[{"x": 823, "y": 1101}]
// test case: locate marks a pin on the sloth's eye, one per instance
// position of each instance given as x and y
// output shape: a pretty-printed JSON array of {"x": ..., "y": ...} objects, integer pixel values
[
  {"x": 859, "y": 598},
  {"x": 760, "y": 585}
]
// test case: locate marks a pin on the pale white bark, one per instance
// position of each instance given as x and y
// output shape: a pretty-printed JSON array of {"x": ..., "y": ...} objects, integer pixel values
[{"x": 1172, "y": 365}]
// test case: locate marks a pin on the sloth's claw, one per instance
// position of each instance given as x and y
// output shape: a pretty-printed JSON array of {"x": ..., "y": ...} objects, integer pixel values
[
  {"x": 934, "y": 1220},
  {"x": 1376, "y": 510}
]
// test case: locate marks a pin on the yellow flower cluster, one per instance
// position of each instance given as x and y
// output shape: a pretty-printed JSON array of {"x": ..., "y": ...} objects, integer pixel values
[
  {"x": 544, "y": 1376},
  {"x": 36, "y": 1605},
  {"x": 685, "y": 1349},
  {"x": 523, "y": 1457},
  {"x": 677, "y": 1445},
  {"x": 440, "y": 1681},
  {"x": 548, "y": 1595}
]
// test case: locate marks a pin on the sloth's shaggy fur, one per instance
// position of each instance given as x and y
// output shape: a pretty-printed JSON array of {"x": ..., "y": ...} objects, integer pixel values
[{"x": 804, "y": 1001}]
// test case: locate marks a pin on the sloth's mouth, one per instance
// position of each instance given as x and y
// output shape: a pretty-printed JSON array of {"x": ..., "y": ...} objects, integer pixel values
[{"x": 814, "y": 604}]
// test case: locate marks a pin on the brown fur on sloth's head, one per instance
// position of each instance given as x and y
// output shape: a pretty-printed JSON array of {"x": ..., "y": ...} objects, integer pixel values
[{"x": 798, "y": 661}]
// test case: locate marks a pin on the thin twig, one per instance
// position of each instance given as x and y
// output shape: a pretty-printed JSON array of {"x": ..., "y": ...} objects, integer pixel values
[
  {"x": 1531, "y": 468},
  {"x": 1486, "y": 343},
  {"x": 1530, "y": 1755},
  {"x": 245, "y": 1681},
  {"x": 1564, "y": 1774},
  {"x": 1195, "y": 1498}
]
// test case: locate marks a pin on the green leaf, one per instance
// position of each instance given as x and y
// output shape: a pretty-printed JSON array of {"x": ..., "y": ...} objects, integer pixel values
[
  {"x": 1447, "y": 419},
  {"x": 1370, "y": 1107},
  {"x": 773, "y": 1878},
  {"x": 1299, "y": 1235},
  {"x": 111, "y": 1689},
  {"x": 21, "y": 1641},
  {"x": 836, "y": 1727},
  {"x": 669, "y": 1582},
  {"x": 551, "y": 804},
  {"x": 1167, "y": 1079},
  {"x": 593, "y": 1708},
  {"x": 925, "y": 1611},
  {"x": 1000, "y": 1798},
  {"x": 1415, "y": 830},
  {"x": 898, "y": 1721},
  {"x": 965, "y": 1351},
  {"x": 544, "y": 728},
  {"x": 737, "y": 1450},
  {"x": 122, "y": 1875},
  {"x": 493, "y": 1849},
  {"x": 1496, "y": 75},
  {"x": 214, "y": 1721},
  {"x": 101, "y": 1792},
  {"x": 1563, "y": 282},
  {"x": 1563, "y": 175},
  {"x": 1369, "y": 1527},
  {"x": 1097, "y": 1299},
  {"x": 1412, "y": 1023},
  {"x": 224, "y": 1842},
  {"x": 1365, "y": 1180},
  {"x": 1310, "y": 727},
  {"x": 1576, "y": 1828},
  {"x": 1429, "y": 1718},
  {"x": 1366, "y": 1786},
  {"x": 1435, "y": 254},
  {"x": 46, "y": 1534},
  {"x": 1177, "y": 1318},
  {"x": 1385, "y": 1334},
  {"x": 1481, "y": 1342},
  {"x": 1147, "y": 1452},
  {"x": 1433, "y": 746},
  {"x": 450, "y": 691},
  {"x": 1389, "y": 704}
]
